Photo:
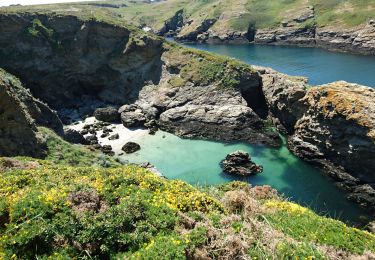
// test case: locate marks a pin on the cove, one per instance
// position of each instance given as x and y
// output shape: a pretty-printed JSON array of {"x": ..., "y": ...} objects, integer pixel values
[
  {"x": 319, "y": 65},
  {"x": 197, "y": 162}
]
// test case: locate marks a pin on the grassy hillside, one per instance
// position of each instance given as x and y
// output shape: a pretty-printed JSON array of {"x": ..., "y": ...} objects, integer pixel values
[
  {"x": 63, "y": 212},
  {"x": 237, "y": 14}
]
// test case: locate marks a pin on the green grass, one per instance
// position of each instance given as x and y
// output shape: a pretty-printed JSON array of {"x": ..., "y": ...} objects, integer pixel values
[
  {"x": 62, "y": 152},
  {"x": 259, "y": 13},
  {"x": 205, "y": 68},
  {"x": 306, "y": 226}
]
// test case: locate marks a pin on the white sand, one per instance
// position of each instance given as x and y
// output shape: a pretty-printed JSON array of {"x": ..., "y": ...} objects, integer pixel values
[{"x": 125, "y": 134}]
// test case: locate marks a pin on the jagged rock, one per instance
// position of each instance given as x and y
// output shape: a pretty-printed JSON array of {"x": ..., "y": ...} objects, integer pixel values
[
  {"x": 74, "y": 136},
  {"x": 107, "y": 130},
  {"x": 20, "y": 114},
  {"x": 152, "y": 125},
  {"x": 104, "y": 135},
  {"x": 151, "y": 168},
  {"x": 107, "y": 114},
  {"x": 107, "y": 149},
  {"x": 239, "y": 163},
  {"x": 114, "y": 137},
  {"x": 132, "y": 116},
  {"x": 131, "y": 147},
  {"x": 331, "y": 126},
  {"x": 112, "y": 68},
  {"x": 92, "y": 139},
  {"x": 84, "y": 132}
]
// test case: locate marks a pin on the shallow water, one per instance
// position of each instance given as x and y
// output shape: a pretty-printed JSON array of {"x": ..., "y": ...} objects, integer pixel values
[
  {"x": 197, "y": 162},
  {"x": 319, "y": 65}
]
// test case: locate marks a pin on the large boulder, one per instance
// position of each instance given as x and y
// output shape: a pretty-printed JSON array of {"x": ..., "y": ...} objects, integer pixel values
[
  {"x": 239, "y": 163},
  {"x": 132, "y": 116},
  {"x": 73, "y": 136},
  {"x": 131, "y": 147},
  {"x": 107, "y": 114}
]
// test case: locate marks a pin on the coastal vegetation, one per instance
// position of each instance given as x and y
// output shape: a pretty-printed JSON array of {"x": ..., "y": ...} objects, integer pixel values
[{"x": 63, "y": 212}]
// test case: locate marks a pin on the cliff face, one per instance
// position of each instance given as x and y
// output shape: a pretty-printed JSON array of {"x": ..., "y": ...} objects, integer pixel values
[
  {"x": 332, "y": 126},
  {"x": 346, "y": 26},
  {"x": 63, "y": 58},
  {"x": 19, "y": 115},
  {"x": 71, "y": 63}
]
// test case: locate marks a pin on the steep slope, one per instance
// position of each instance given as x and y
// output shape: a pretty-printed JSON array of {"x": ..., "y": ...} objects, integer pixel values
[
  {"x": 77, "y": 63},
  {"x": 20, "y": 112},
  {"x": 330, "y": 125}
]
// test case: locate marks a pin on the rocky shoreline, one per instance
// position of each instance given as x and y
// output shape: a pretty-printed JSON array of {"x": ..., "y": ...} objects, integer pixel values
[
  {"x": 146, "y": 82},
  {"x": 298, "y": 30}
]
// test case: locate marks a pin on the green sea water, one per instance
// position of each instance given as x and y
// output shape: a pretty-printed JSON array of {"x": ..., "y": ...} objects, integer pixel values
[{"x": 197, "y": 162}]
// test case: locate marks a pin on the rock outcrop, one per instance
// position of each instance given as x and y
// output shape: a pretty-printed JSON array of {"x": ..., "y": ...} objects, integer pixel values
[
  {"x": 299, "y": 28},
  {"x": 20, "y": 114},
  {"x": 107, "y": 114},
  {"x": 240, "y": 163},
  {"x": 70, "y": 59},
  {"x": 64, "y": 58},
  {"x": 331, "y": 126}
]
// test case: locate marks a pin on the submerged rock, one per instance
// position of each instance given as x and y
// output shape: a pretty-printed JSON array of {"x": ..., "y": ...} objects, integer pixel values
[
  {"x": 131, "y": 147},
  {"x": 239, "y": 163}
]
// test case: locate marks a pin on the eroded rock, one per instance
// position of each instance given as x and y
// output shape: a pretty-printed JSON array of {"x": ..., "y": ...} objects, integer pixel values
[
  {"x": 107, "y": 114},
  {"x": 239, "y": 163}
]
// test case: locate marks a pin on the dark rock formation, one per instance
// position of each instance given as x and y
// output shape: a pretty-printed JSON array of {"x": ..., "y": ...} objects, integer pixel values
[
  {"x": 331, "y": 126},
  {"x": 114, "y": 137},
  {"x": 239, "y": 163},
  {"x": 63, "y": 58},
  {"x": 131, "y": 147},
  {"x": 107, "y": 149},
  {"x": 173, "y": 24},
  {"x": 107, "y": 114},
  {"x": 132, "y": 116},
  {"x": 74, "y": 136},
  {"x": 20, "y": 114},
  {"x": 92, "y": 139}
]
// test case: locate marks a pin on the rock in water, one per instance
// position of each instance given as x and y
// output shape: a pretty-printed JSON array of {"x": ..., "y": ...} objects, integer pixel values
[
  {"x": 107, "y": 114},
  {"x": 239, "y": 163},
  {"x": 131, "y": 147}
]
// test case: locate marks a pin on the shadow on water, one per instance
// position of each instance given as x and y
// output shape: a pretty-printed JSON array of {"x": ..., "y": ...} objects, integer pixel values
[{"x": 198, "y": 162}]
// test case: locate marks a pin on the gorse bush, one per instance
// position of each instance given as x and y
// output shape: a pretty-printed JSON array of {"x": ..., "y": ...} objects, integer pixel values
[
  {"x": 90, "y": 211},
  {"x": 64, "y": 212}
]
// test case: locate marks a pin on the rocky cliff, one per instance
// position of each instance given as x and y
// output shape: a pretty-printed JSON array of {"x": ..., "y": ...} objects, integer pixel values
[
  {"x": 20, "y": 113},
  {"x": 74, "y": 64},
  {"x": 331, "y": 126},
  {"x": 346, "y": 26}
]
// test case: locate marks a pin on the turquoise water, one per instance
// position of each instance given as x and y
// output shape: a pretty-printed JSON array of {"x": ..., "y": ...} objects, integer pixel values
[
  {"x": 197, "y": 162},
  {"x": 320, "y": 66}
]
